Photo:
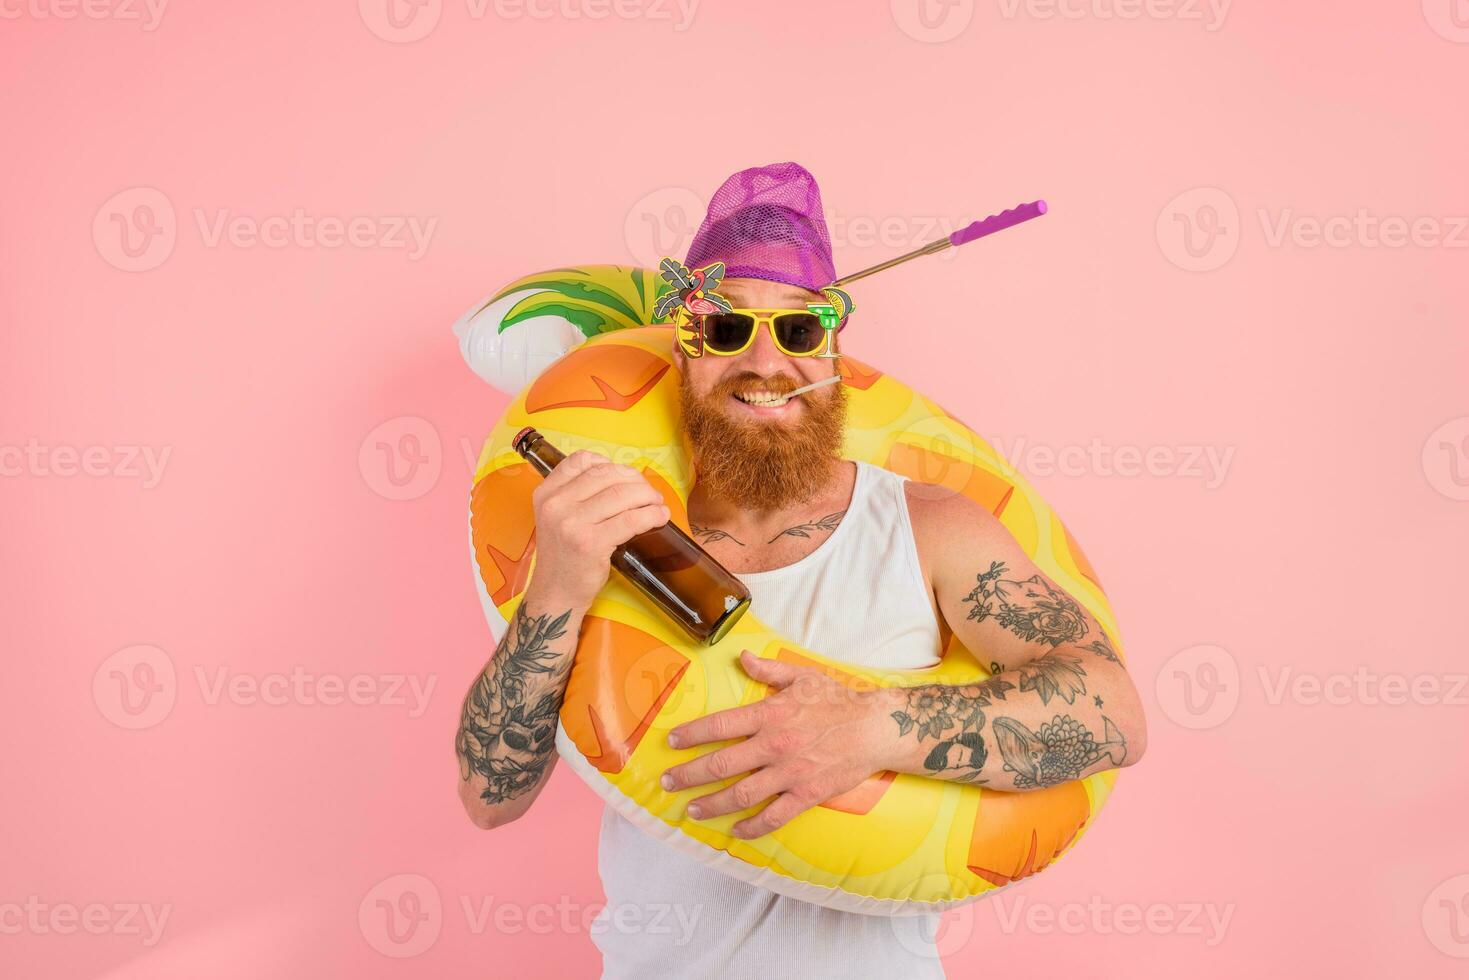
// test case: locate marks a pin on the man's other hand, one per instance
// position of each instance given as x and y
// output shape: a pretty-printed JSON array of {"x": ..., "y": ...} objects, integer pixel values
[{"x": 811, "y": 740}]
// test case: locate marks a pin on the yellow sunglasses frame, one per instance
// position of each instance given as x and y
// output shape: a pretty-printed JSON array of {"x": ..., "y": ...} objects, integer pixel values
[{"x": 767, "y": 317}]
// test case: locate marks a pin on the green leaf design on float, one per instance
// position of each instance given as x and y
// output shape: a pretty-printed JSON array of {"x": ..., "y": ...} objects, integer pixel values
[{"x": 596, "y": 299}]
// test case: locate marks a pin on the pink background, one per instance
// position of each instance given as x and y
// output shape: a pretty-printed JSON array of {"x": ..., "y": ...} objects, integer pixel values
[{"x": 1330, "y": 834}]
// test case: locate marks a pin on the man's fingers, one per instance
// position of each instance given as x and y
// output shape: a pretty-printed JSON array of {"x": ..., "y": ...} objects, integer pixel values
[
  {"x": 600, "y": 475},
  {"x": 718, "y": 727},
  {"x": 573, "y": 466},
  {"x": 753, "y": 790},
  {"x": 772, "y": 672},
  {"x": 617, "y": 497},
  {"x": 720, "y": 764},
  {"x": 785, "y": 809}
]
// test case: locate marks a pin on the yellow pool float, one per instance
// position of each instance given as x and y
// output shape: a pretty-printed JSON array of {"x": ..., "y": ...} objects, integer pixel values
[{"x": 898, "y": 844}]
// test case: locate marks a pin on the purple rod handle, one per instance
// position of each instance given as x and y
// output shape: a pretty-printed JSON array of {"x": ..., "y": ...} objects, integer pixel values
[{"x": 998, "y": 222}]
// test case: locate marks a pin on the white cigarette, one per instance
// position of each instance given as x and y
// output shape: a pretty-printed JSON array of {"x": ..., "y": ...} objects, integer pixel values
[{"x": 814, "y": 384}]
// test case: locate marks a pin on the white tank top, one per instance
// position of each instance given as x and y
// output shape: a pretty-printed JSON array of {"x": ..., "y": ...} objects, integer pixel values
[{"x": 859, "y": 597}]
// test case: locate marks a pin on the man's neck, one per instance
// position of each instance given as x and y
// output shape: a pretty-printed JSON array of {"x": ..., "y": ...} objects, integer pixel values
[{"x": 734, "y": 517}]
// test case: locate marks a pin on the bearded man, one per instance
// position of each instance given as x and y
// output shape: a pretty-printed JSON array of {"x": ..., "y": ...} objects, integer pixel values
[{"x": 843, "y": 557}]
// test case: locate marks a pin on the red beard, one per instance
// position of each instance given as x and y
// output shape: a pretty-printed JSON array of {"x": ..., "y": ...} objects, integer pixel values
[{"x": 763, "y": 465}]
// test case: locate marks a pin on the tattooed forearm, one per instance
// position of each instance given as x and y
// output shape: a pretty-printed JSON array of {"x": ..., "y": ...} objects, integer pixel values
[
  {"x": 955, "y": 719},
  {"x": 933, "y": 711},
  {"x": 827, "y": 523},
  {"x": 509, "y": 719},
  {"x": 1062, "y": 750},
  {"x": 708, "y": 534},
  {"x": 952, "y": 717},
  {"x": 1029, "y": 608}
]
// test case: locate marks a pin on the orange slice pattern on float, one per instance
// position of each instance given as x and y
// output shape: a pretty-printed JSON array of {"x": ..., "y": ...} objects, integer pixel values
[
  {"x": 1018, "y": 834},
  {"x": 610, "y": 376},
  {"x": 619, "y": 683},
  {"x": 502, "y": 527}
]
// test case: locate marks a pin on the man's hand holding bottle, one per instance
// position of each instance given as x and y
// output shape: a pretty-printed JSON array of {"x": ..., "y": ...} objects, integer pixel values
[{"x": 585, "y": 508}]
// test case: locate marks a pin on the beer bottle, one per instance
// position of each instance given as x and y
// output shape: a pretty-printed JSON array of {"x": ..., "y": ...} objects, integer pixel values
[{"x": 665, "y": 564}]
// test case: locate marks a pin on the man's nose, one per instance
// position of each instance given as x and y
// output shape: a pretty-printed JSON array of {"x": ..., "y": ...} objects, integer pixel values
[{"x": 764, "y": 358}]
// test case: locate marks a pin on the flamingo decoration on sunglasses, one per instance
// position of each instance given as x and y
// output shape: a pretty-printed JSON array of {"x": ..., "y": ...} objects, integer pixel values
[{"x": 693, "y": 296}]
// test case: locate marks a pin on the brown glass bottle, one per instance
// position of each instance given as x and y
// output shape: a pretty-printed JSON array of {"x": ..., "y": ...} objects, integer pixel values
[{"x": 666, "y": 565}]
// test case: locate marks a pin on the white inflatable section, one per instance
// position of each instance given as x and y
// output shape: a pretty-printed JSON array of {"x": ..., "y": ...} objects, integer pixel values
[{"x": 511, "y": 359}]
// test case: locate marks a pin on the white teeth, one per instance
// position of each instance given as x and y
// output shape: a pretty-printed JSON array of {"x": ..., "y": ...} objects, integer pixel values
[{"x": 763, "y": 398}]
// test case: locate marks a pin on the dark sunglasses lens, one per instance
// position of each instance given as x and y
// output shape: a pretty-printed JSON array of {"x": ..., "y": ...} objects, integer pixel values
[
  {"x": 799, "y": 333},
  {"x": 727, "y": 331}
]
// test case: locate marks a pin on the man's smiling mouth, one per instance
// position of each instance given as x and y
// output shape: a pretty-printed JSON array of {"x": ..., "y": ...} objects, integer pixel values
[{"x": 764, "y": 399}]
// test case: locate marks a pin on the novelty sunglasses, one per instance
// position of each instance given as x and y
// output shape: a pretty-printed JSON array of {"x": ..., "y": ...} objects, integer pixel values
[{"x": 797, "y": 333}]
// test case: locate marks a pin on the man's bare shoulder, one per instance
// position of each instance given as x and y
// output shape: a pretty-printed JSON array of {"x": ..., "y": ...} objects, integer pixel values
[{"x": 943, "y": 517}]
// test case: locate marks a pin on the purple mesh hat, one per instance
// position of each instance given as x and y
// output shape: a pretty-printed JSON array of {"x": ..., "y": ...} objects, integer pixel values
[{"x": 767, "y": 223}]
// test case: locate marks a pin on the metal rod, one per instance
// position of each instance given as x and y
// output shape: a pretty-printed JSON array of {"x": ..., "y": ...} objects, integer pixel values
[{"x": 928, "y": 249}]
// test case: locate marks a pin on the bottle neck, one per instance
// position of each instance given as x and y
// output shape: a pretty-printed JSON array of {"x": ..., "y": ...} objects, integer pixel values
[{"x": 540, "y": 453}]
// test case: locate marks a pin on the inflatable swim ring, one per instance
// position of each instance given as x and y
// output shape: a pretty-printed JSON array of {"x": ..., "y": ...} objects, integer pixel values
[{"x": 898, "y": 844}]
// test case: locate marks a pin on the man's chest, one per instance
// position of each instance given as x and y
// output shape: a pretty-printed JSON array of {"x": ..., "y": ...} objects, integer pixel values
[
  {"x": 757, "y": 556},
  {"x": 744, "y": 552}
]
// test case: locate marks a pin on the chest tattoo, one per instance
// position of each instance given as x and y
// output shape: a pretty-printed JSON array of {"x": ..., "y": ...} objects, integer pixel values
[{"x": 828, "y": 524}]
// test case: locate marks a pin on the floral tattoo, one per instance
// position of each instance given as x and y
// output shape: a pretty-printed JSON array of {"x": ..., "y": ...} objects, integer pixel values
[
  {"x": 952, "y": 717},
  {"x": 1029, "y": 608},
  {"x": 1053, "y": 674}
]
